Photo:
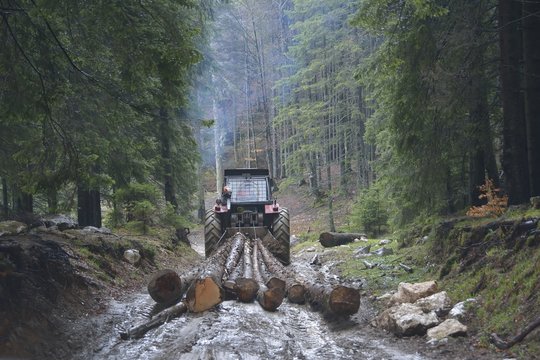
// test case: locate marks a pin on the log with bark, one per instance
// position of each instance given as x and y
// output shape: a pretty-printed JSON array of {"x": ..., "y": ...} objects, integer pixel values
[
  {"x": 207, "y": 291},
  {"x": 165, "y": 287},
  {"x": 330, "y": 239},
  {"x": 246, "y": 287},
  {"x": 160, "y": 318},
  {"x": 338, "y": 300},
  {"x": 271, "y": 295},
  {"x": 295, "y": 290}
]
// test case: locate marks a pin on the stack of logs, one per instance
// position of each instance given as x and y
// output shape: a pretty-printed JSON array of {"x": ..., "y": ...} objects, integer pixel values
[{"x": 242, "y": 269}]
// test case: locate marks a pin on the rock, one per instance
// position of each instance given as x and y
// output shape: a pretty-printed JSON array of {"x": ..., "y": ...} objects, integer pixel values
[
  {"x": 311, "y": 249},
  {"x": 439, "y": 302},
  {"x": 93, "y": 229},
  {"x": 294, "y": 240},
  {"x": 383, "y": 252},
  {"x": 63, "y": 222},
  {"x": 406, "y": 320},
  {"x": 363, "y": 251},
  {"x": 11, "y": 227},
  {"x": 315, "y": 260},
  {"x": 385, "y": 242},
  {"x": 409, "y": 293},
  {"x": 132, "y": 256},
  {"x": 362, "y": 239},
  {"x": 460, "y": 309},
  {"x": 385, "y": 297},
  {"x": 450, "y": 327}
]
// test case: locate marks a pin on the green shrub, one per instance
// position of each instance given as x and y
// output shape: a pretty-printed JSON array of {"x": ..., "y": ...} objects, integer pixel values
[{"x": 370, "y": 212}]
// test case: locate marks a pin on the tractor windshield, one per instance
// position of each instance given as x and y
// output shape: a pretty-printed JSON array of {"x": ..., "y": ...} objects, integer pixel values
[{"x": 248, "y": 190}]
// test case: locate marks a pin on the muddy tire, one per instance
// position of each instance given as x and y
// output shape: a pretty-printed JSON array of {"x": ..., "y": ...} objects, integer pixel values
[
  {"x": 212, "y": 232},
  {"x": 282, "y": 233}
]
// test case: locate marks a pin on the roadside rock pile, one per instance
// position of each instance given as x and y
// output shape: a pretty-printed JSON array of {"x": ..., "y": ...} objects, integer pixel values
[{"x": 417, "y": 309}]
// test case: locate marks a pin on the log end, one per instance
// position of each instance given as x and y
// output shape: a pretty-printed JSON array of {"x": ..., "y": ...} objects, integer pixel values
[
  {"x": 297, "y": 294},
  {"x": 246, "y": 289},
  {"x": 275, "y": 282},
  {"x": 165, "y": 286},
  {"x": 203, "y": 295},
  {"x": 344, "y": 300},
  {"x": 271, "y": 299}
]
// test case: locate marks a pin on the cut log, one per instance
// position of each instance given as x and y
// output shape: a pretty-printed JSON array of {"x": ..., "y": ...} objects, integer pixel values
[
  {"x": 248, "y": 260},
  {"x": 329, "y": 239},
  {"x": 271, "y": 295},
  {"x": 246, "y": 289},
  {"x": 270, "y": 299},
  {"x": 276, "y": 283},
  {"x": 160, "y": 318},
  {"x": 206, "y": 291},
  {"x": 235, "y": 254},
  {"x": 295, "y": 290},
  {"x": 339, "y": 300},
  {"x": 256, "y": 264},
  {"x": 165, "y": 287},
  {"x": 296, "y": 294}
]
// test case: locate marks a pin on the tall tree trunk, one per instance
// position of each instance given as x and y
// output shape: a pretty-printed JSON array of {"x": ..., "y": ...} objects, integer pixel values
[
  {"x": 515, "y": 155},
  {"x": 88, "y": 206},
  {"x": 5, "y": 198},
  {"x": 531, "y": 57},
  {"x": 52, "y": 201},
  {"x": 166, "y": 157}
]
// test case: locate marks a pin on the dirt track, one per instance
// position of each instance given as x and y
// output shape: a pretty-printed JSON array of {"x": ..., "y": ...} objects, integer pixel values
[{"x": 244, "y": 331}]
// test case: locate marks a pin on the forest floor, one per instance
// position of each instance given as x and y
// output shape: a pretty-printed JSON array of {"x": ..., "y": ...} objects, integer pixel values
[{"x": 69, "y": 294}]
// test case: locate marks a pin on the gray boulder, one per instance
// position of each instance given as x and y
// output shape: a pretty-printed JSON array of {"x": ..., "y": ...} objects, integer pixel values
[
  {"x": 132, "y": 256},
  {"x": 460, "y": 309},
  {"x": 409, "y": 293},
  {"x": 62, "y": 222},
  {"x": 406, "y": 320},
  {"x": 439, "y": 302},
  {"x": 450, "y": 327},
  {"x": 383, "y": 252}
]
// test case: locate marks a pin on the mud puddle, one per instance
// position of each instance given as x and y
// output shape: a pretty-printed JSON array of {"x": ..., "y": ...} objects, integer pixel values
[{"x": 236, "y": 331}]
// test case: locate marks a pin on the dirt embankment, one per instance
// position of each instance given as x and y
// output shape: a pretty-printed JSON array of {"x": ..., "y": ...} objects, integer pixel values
[{"x": 50, "y": 280}]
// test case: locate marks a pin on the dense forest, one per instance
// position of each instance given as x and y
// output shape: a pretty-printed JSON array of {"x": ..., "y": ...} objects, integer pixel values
[{"x": 410, "y": 105}]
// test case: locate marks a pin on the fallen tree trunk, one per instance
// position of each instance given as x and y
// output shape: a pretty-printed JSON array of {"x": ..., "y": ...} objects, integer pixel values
[
  {"x": 295, "y": 289},
  {"x": 329, "y": 239},
  {"x": 271, "y": 295},
  {"x": 339, "y": 300},
  {"x": 206, "y": 291},
  {"x": 161, "y": 318},
  {"x": 237, "y": 248},
  {"x": 504, "y": 345},
  {"x": 246, "y": 287}
]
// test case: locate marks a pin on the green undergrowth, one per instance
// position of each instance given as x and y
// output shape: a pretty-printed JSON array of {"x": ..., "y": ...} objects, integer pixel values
[
  {"x": 104, "y": 254},
  {"x": 495, "y": 260},
  {"x": 387, "y": 273}
]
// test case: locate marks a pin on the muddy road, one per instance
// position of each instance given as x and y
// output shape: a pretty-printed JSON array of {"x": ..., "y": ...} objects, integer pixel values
[{"x": 236, "y": 330}]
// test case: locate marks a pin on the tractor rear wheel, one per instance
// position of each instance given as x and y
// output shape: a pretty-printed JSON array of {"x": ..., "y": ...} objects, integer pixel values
[
  {"x": 282, "y": 233},
  {"x": 212, "y": 232}
]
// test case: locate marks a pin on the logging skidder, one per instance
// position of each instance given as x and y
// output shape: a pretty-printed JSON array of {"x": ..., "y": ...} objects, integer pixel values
[{"x": 246, "y": 205}]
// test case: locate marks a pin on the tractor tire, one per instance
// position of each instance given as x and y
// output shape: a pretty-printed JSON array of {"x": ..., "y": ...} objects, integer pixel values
[
  {"x": 282, "y": 233},
  {"x": 212, "y": 232}
]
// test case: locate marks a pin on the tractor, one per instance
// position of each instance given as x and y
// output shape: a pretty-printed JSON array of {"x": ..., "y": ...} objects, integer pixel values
[{"x": 246, "y": 206}]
